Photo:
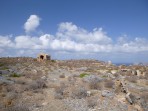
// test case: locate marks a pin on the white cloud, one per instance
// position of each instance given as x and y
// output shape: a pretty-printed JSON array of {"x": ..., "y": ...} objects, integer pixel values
[
  {"x": 70, "y": 31},
  {"x": 5, "y": 41},
  {"x": 27, "y": 42},
  {"x": 46, "y": 40},
  {"x": 122, "y": 39},
  {"x": 69, "y": 39},
  {"x": 32, "y": 23},
  {"x": 50, "y": 42},
  {"x": 67, "y": 26}
]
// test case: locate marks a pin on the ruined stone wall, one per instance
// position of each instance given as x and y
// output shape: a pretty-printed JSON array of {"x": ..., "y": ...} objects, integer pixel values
[{"x": 43, "y": 57}]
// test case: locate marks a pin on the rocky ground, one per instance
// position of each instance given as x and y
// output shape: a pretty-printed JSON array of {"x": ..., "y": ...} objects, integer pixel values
[{"x": 71, "y": 85}]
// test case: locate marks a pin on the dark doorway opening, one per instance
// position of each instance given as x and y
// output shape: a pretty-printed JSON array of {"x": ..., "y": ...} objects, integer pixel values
[{"x": 42, "y": 57}]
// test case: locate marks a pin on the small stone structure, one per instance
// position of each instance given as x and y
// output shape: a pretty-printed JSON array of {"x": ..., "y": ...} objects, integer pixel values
[{"x": 43, "y": 57}]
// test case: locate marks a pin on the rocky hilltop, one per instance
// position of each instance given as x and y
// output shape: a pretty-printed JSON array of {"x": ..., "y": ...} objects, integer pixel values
[{"x": 71, "y": 85}]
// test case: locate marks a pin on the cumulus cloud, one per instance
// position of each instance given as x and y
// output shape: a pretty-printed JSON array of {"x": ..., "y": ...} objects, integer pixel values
[
  {"x": 70, "y": 31},
  {"x": 69, "y": 39},
  {"x": 50, "y": 42},
  {"x": 32, "y": 23},
  {"x": 5, "y": 41},
  {"x": 26, "y": 42}
]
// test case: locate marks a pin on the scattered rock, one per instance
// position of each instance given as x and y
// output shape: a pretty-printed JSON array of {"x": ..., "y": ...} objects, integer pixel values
[
  {"x": 106, "y": 93},
  {"x": 90, "y": 78},
  {"x": 128, "y": 98}
]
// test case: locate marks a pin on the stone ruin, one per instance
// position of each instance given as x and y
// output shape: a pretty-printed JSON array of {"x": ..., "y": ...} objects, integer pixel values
[
  {"x": 124, "y": 89},
  {"x": 43, "y": 57}
]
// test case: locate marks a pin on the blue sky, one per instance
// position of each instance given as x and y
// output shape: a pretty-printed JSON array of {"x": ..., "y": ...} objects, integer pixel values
[{"x": 115, "y": 30}]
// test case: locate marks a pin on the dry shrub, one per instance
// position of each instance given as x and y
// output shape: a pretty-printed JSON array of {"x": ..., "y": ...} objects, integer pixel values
[
  {"x": 39, "y": 72},
  {"x": 10, "y": 88},
  {"x": 128, "y": 73},
  {"x": 62, "y": 76},
  {"x": 144, "y": 96},
  {"x": 95, "y": 85},
  {"x": 2, "y": 94},
  {"x": 12, "y": 95},
  {"x": 116, "y": 74},
  {"x": 52, "y": 85},
  {"x": 146, "y": 82},
  {"x": 27, "y": 75},
  {"x": 146, "y": 75},
  {"x": 144, "y": 101},
  {"x": 7, "y": 102},
  {"x": 58, "y": 96},
  {"x": 59, "y": 91},
  {"x": 78, "y": 92},
  {"x": 132, "y": 79},
  {"x": 2, "y": 107},
  {"x": 117, "y": 90},
  {"x": 91, "y": 102},
  {"x": 76, "y": 75},
  {"x": 13, "y": 88},
  {"x": 141, "y": 77},
  {"x": 123, "y": 73},
  {"x": 18, "y": 107},
  {"x": 72, "y": 80},
  {"x": 33, "y": 75},
  {"x": 109, "y": 84},
  {"x": 39, "y": 84},
  {"x": 20, "y": 81},
  {"x": 117, "y": 86},
  {"x": 93, "y": 82}
]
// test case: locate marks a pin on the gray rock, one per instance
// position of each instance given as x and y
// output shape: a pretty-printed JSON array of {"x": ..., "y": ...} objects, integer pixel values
[
  {"x": 128, "y": 98},
  {"x": 10, "y": 70},
  {"x": 82, "y": 69},
  {"x": 4, "y": 72},
  {"x": 0, "y": 72},
  {"x": 108, "y": 104},
  {"x": 3, "y": 80},
  {"x": 136, "y": 88},
  {"x": 144, "y": 103},
  {"x": 106, "y": 93},
  {"x": 91, "y": 78},
  {"x": 76, "y": 104}
]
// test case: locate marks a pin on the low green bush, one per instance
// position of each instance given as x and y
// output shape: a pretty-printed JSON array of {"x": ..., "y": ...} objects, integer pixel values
[
  {"x": 104, "y": 76},
  {"x": 4, "y": 68},
  {"x": 53, "y": 61},
  {"x": 83, "y": 75},
  {"x": 14, "y": 75},
  {"x": 1, "y": 64}
]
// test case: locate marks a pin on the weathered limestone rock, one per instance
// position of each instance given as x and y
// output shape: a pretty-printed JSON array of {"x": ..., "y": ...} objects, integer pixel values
[
  {"x": 127, "y": 96},
  {"x": 124, "y": 89},
  {"x": 43, "y": 57},
  {"x": 106, "y": 93},
  {"x": 114, "y": 71},
  {"x": 139, "y": 73},
  {"x": 92, "y": 92},
  {"x": 122, "y": 66},
  {"x": 134, "y": 72},
  {"x": 122, "y": 85}
]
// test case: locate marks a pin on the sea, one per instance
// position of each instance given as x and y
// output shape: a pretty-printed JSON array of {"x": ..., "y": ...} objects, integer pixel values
[{"x": 127, "y": 64}]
